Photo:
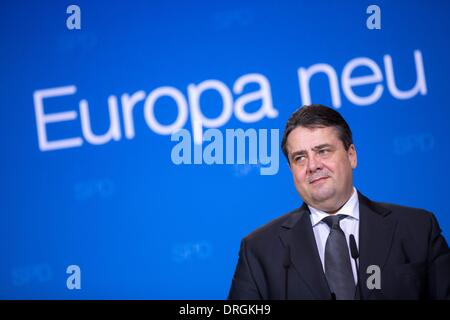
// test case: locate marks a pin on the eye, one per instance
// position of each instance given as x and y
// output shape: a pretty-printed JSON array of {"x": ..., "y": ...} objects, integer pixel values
[
  {"x": 324, "y": 152},
  {"x": 299, "y": 159}
]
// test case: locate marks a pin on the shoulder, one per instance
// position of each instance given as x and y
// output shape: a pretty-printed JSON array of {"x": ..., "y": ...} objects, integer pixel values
[
  {"x": 405, "y": 212},
  {"x": 405, "y": 215},
  {"x": 271, "y": 230}
]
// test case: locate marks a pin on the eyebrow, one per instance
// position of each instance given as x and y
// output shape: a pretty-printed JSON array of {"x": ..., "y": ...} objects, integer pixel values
[{"x": 316, "y": 148}]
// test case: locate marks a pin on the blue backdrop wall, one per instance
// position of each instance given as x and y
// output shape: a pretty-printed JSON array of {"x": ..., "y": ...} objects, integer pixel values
[{"x": 88, "y": 174}]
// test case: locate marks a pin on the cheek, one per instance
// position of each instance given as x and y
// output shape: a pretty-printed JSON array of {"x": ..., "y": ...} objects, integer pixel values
[
  {"x": 299, "y": 176},
  {"x": 333, "y": 166},
  {"x": 342, "y": 170}
]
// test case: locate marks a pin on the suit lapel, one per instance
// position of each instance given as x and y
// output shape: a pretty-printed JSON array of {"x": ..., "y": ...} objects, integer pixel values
[
  {"x": 298, "y": 234},
  {"x": 376, "y": 232}
]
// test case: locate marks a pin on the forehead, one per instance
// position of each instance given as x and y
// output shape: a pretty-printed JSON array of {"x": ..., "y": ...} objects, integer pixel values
[{"x": 302, "y": 138}]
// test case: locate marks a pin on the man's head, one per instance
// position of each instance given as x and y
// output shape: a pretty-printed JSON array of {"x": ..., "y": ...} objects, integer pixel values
[{"x": 318, "y": 145}]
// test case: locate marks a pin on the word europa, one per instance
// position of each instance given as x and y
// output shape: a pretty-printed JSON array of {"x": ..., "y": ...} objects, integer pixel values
[
  {"x": 213, "y": 153},
  {"x": 128, "y": 102},
  {"x": 233, "y": 101}
]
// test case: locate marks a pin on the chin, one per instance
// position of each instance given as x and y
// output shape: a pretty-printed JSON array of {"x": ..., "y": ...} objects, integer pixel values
[{"x": 323, "y": 195}]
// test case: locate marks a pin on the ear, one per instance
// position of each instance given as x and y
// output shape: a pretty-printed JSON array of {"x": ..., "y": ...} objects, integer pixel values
[{"x": 352, "y": 156}]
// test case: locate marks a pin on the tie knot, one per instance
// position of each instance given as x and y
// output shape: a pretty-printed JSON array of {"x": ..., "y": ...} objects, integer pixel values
[{"x": 333, "y": 220}]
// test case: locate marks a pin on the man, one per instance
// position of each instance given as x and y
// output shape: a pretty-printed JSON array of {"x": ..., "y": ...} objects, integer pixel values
[{"x": 309, "y": 253}]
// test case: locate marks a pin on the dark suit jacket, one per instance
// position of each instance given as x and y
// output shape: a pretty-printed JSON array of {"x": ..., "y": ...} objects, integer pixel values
[{"x": 406, "y": 243}]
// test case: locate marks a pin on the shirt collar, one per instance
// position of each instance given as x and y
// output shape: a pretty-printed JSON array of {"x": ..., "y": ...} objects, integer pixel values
[{"x": 350, "y": 208}]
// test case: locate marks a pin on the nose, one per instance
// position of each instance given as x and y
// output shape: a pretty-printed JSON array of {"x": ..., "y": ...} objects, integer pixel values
[{"x": 314, "y": 163}]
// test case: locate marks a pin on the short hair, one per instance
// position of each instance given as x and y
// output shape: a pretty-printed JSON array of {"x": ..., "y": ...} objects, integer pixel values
[{"x": 317, "y": 116}]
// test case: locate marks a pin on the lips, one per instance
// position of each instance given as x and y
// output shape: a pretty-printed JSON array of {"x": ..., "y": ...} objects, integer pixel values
[{"x": 319, "y": 179}]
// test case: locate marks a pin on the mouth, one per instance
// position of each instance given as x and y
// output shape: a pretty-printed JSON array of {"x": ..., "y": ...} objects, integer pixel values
[{"x": 317, "y": 181}]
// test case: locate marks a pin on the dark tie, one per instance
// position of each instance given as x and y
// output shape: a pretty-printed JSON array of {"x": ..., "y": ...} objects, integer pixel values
[{"x": 338, "y": 268}]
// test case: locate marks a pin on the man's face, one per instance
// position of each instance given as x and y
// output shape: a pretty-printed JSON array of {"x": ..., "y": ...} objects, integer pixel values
[{"x": 321, "y": 167}]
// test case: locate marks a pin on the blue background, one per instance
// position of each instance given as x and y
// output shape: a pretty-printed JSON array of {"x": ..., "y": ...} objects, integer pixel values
[{"x": 141, "y": 227}]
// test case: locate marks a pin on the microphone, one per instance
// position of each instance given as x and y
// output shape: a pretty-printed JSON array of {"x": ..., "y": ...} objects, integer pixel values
[
  {"x": 355, "y": 256},
  {"x": 286, "y": 265}
]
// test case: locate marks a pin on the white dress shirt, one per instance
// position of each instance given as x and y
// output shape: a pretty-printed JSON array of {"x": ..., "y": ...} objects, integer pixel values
[{"x": 349, "y": 225}]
